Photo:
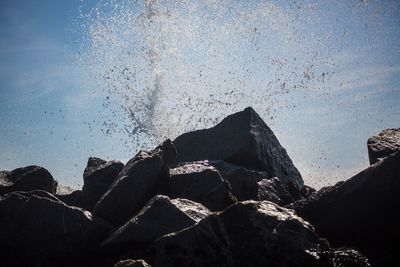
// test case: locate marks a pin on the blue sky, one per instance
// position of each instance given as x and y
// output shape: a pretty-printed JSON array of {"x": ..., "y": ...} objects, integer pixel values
[{"x": 323, "y": 74}]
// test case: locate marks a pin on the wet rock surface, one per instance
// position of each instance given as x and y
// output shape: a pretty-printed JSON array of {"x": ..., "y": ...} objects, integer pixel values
[
  {"x": 98, "y": 176},
  {"x": 242, "y": 139},
  {"x": 136, "y": 184},
  {"x": 27, "y": 179},
  {"x": 160, "y": 216},
  {"x": 37, "y": 227},
  {"x": 384, "y": 144},
  {"x": 234, "y": 199},
  {"x": 202, "y": 183},
  {"x": 360, "y": 212},
  {"x": 249, "y": 233}
]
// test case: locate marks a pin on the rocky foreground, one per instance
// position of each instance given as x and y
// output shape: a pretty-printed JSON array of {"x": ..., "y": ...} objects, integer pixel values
[{"x": 225, "y": 196}]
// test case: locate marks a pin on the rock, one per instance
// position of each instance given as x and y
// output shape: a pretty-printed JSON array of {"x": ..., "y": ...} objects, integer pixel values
[
  {"x": 248, "y": 233},
  {"x": 273, "y": 190},
  {"x": 132, "y": 263},
  {"x": 243, "y": 181},
  {"x": 159, "y": 217},
  {"x": 361, "y": 212},
  {"x": 242, "y": 139},
  {"x": 27, "y": 179},
  {"x": 383, "y": 145},
  {"x": 98, "y": 176},
  {"x": 201, "y": 183},
  {"x": 74, "y": 198},
  {"x": 248, "y": 184},
  {"x": 36, "y": 227},
  {"x": 136, "y": 184}
]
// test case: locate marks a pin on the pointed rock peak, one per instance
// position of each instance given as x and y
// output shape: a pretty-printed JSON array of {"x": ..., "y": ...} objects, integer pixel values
[{"x": 243, "y": 139}]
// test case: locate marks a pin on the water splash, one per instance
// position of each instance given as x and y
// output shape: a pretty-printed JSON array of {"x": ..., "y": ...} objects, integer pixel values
[{"x": 167, "y": 67}]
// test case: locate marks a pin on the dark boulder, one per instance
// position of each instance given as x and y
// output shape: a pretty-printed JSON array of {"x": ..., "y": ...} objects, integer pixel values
[
  {"x": 201, "y": 183},
  {"x": 74, "y": 198},
  {"x": 242, "y": 139},
  {"x": 159, "y": 217},
  {"x": 383, "y": 145},
  {"x": 37, "y": 228},
  {"x": 27, "y": 179},
  {"x": 243, "y": 181},
  {"x": 273, "y": 190},
  {"x": 98, "y": 176},
  {"x": 248, "y": 233},
  {"x": 361, "y": 212},
  {"x": 249, "y": 184},
  {"x": 140, "y": 180}
]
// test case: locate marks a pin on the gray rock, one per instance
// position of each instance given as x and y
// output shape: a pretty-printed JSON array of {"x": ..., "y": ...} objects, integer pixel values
[
  {"x": 136, "y": 184},
  {"x": 383, "y": 145},
  {"x": 201, "y": 183},
  {"x": 27, "y": 179},
  {"x": 360, "y": 212},
  {"x": 248, "y": 233},
  {"x": 36, "y": 226},
  {"x": 98, "y": 176},
  {"x": 159, "y": 217},
  {"x": 242, "y": 139}
]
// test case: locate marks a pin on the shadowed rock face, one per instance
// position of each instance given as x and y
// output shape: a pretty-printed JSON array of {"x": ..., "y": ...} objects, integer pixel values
[
  {"x": 361, "y": 212},
  {"x": 36, "y": 226},
  {"x": 202, "y": 183},
  {"x": 132, "y": 263},
  {"x": 27, "y": 179},
  {"x": 136, "y": 184},
  {"x": 383, "y": 145},
  {"x": 249, "y": 233},
  {"x": 159, "y": 217},
  {"x": 242, "y": 139},
  {"x": 98, "y": 176}
]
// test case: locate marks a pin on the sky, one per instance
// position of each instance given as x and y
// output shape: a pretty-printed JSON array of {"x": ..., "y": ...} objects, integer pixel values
[{"x": 107, "y": 78}]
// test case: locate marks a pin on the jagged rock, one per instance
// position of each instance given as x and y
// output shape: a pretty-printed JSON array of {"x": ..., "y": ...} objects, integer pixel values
[
  {"x": 248, "y": 233},
  {"x": 159, "y": 217},
  {"x": 98, "y": 176},
  {"x": 27, "y": 179},
  {"x": 273, "y": 190},
  {"x": 36, "y": 227},
  {"x": 243, "y": 181},
  {"x": 361, "y": 212},
  {"x": 132, "y": 263},
  {"x": 136, "y": 184},
  {"x": 242, "y": 139},
  {"x": 74, "y": 198},
  {"x": 383, "y": 145},
  {"x": 201, "y": 183}
]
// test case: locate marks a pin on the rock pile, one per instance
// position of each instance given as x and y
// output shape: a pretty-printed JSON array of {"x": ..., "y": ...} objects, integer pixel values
[{"x": 225, "y": 196}]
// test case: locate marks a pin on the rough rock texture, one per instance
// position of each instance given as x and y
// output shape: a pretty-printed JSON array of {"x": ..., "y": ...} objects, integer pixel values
[
  {"x": 36, "y": 227},
  {"x": 98, "y": 176},
  {"x": 361, "y": 212},
  {"x": 136, "y": 184},
  {"x": 243, "y": 181},
  {"x": 273, "y": 190},
  {"x": 242, "y": 139},
  {"x": 132, "y": 263},
  {"x": 383, "y": 145},
  {"x": 75, "y": 198},
  {"x": 249, "y": 233},
  {"x": 201, "y": 183},
  {"x": 27, "y": 179},
  {"x": 159, "y": 217}
]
